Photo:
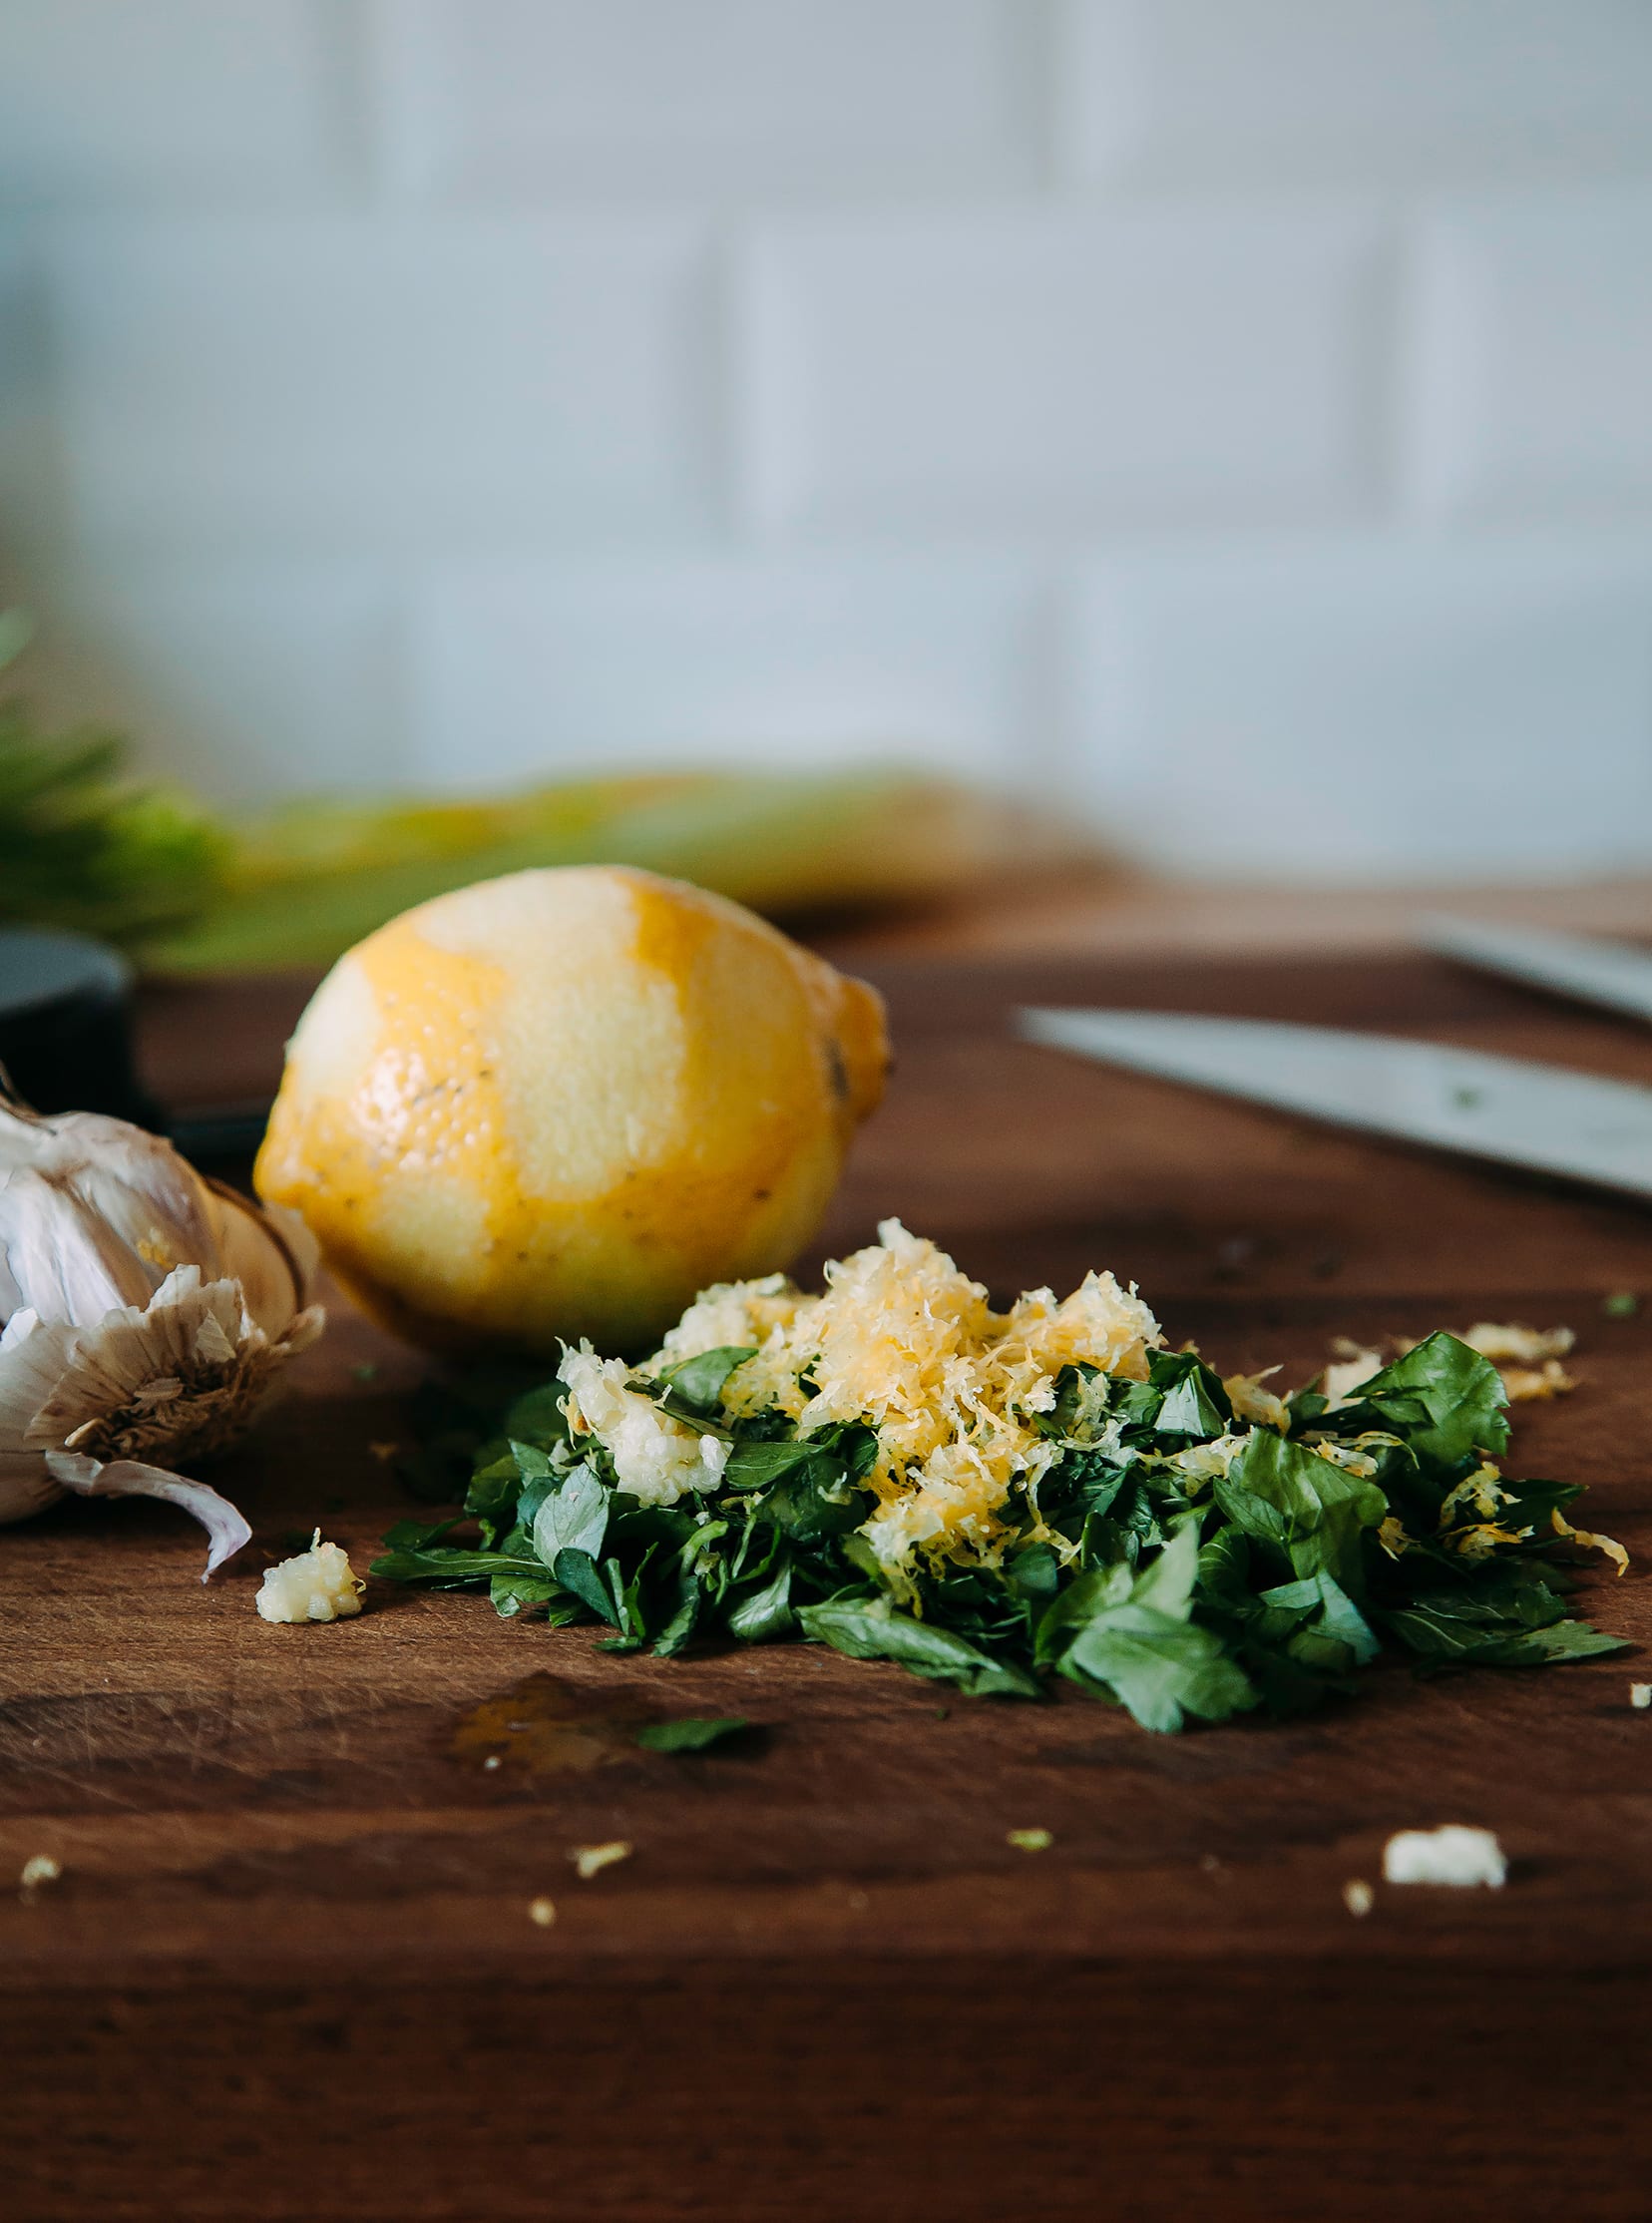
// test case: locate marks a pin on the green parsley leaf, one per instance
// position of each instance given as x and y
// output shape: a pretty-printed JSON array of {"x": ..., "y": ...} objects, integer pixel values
[
  {"x": 766, "y": 1613},
  {"x": 573, "y": 1517},
  {"x": 875, "y": 1629},
  {"x": 698, "y": 1382},
  {"x": 577, "y": 1570},
  {"x": 1159, "y": 1667},
  {"x": 693, "y": 1733},
  {"x": 1461, "y": 1394}
]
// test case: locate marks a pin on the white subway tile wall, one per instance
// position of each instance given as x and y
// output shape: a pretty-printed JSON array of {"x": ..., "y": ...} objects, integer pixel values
[
  {"x": 178, "y": 101},
  {"x": 771, "y": 662},
  {"x": 1070, "y": 371},
  {"x": 1329, "y": 92},
  {"x": 728, "y": 96},
  {"x": 266, "y": 676},
  {"x": 1231, "y": 419}
]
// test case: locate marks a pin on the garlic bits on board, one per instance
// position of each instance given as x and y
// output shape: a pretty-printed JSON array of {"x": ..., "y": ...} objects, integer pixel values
[{"x": 144, "y": 1311}]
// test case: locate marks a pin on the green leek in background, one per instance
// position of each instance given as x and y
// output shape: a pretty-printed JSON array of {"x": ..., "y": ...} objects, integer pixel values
[
  {"x": 81, "y": 846},
  {"x": 149, "y": 867}
]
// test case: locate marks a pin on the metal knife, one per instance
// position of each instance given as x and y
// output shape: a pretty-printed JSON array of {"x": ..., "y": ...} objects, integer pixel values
[
  {"x": 1612, "y": 973},
  {"x": 1546, "y": 1118}
]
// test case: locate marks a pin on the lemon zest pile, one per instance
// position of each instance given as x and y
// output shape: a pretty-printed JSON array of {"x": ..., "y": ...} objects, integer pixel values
[{"x": 904, "y": 1342}]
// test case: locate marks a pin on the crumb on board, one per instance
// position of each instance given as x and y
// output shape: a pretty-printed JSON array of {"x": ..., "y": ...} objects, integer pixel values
[
  {"x": 1029, "y": 1839},
  {"x": 1640, "y": 1695},
  {"x": 1454, "y": 1855},
  {"x": 38, "y": 1868},
  {"x": 542, "y": 1912},
  {"x": 591, "y": 1859},
  {"x": 384, "y": 1453},
  {"x": 315, "y": 1586},
  {"x": 1357, "y": 1898}
]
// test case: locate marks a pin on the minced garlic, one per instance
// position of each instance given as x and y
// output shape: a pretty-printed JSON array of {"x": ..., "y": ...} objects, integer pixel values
[
  {"x": 657, "y": 1458},
  {"x": 314, "y": 1585}
]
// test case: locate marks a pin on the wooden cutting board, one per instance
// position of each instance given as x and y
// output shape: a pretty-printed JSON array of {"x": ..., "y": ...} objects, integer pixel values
[{"x": 290, "y": 1968}]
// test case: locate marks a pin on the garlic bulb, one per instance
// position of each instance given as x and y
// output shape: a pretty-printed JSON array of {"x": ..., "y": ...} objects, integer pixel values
[{"x": 144, "y": 1313}]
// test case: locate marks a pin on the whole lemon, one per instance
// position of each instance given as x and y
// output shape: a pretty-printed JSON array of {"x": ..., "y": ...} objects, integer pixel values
[{"x": 560, "y": 1104}]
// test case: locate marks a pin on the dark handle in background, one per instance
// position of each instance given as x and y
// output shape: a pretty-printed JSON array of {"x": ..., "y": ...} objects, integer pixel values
[{"x": 66, "y": 1045}]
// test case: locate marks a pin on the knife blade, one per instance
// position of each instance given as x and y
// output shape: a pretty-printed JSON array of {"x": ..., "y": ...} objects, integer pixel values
[
  {"x": 1612, "y": 973},
  {"x": 1546, "y": 1118}
]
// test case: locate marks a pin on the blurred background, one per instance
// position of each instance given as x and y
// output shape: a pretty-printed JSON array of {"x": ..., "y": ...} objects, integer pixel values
[{"x": 1226, "y": 424}]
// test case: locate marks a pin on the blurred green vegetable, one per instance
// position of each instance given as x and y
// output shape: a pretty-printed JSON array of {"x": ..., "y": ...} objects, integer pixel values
[
  {"x": 311, "y": 879},
  {"x": 82, "y": 845}
]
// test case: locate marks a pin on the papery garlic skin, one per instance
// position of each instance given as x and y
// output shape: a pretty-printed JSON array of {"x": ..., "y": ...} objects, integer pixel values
[{"x": 143, "y": 1312}]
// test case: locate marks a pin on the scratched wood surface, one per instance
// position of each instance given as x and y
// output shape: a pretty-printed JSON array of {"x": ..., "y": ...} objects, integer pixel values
[{"x": 290, "y": 1968}]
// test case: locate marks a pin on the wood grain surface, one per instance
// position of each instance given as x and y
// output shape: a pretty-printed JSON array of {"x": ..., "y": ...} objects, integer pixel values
[{"x": 289, "y": 1969}]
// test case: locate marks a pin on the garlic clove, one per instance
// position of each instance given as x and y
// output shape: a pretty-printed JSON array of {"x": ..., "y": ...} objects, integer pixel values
[
  {"x": 143, "y": 1315},
  {"x": 33, "y": 1357},
  {"x": 93, "y": 1212},
  {"x": 274, "y": 1269},
  {"x": 226, "y": 1529},
  {"x": 57, "y": 1260}
]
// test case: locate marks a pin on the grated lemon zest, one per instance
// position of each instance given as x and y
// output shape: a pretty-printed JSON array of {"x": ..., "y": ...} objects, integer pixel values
[
  {"x": 904, "y": 1342},
  {"x": 1254, "y": 1403},
  {"x": 1595, "y": 1543}
]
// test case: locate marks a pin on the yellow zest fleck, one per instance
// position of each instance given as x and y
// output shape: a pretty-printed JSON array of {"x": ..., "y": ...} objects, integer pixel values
[
  {"x": 1587, "y": 1536},
  {"x": 1525, "y": 1385},
  {"x": 1254, "y": 1403},
  {"x": 1516, "y": 1346},
  {"x": 1351, "y": 1462},
  {"x": 1029, "y": 1839},
  {"x": 1481, "y": 1540},
  {"x": 1482, "y": 1490},
  {"x": 591, "y": 1859}
]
